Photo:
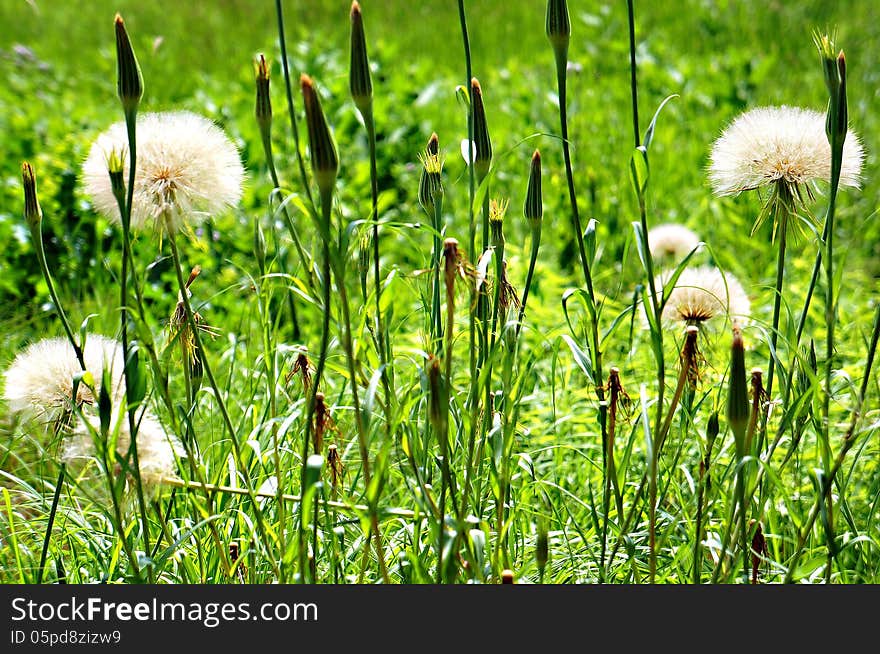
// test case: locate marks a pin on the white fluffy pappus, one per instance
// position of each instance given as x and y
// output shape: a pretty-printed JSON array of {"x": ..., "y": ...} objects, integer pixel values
[
  {"x": 157, "y": 449},
  {"x": 187, "y": 169},
  {"x": 671, "y": 240},
  {"x": 779, "y": 144},
  {"x": 39, "y": 381},
  {"x": 703, "y": 293}
]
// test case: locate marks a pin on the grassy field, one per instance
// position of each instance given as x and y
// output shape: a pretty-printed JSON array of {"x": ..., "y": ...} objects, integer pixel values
[{"x": 524, "y": 484}]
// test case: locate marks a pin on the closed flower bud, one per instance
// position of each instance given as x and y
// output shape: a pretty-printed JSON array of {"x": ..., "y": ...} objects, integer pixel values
[
  {"x": 738, "y": 393},
  {"x": 497, "y": 210},
  {"x": 507, "y": 576},
  {"x": 325, "y": 162},
  {"x": 711, "y": 430},
  {"x": 558, "y": 26},
  {"x": 482, "y": 144},
  {"x": 533, "y": 209},
  {"x": 263, "y": 109},
  {"x": 431, "y": 180},
  {"x": 359, "y": 80},
  {"x": 842, "y": 111},
  {"x": 116, "y": 168},
  {"x": 33, "y": 215},
  {"x": 437, "y": 401},
  {"x": 129, "y": 83}
]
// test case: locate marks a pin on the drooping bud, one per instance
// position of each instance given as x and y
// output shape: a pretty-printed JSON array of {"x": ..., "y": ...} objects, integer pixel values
[
  {"x": 129, "y": 82},
  {"x": 482, "y": 143},
  {"x": 263, "y": 107},
  {"x": 738, "y": 393},
  {"x": 431, "y": 180},
  {"x": 359, "y": 80},
  {"x": 558, "y": 27},
  {"x": 334, "y": 462},
  {"x": 533, "y": 210},
  {"x": 325, "y": 162},
  {"x": 33, "y": 214}
]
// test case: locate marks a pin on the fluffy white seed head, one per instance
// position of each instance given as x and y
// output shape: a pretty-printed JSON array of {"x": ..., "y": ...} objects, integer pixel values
[
  {"x": 671, "y": 240},
  {"x": 704, "y": 293},
  {"x": 156, "y": 448},
  {"x": 779, "y": 144},
  {"x": 187, "y": 169},
  {"x": 39, "y": 382}
]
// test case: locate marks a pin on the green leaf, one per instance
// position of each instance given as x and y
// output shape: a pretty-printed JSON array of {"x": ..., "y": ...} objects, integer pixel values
[
  {"x": 581, "y": 358},
  {"x": 638, "y": 170},
  {"x": 649, "y": 133}
]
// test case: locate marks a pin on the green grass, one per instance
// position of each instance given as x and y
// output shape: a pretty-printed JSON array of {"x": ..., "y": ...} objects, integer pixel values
[{"x": 719, "y": 57}]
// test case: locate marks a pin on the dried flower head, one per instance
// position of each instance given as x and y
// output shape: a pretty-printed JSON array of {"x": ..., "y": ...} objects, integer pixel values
[
  {"x": 40, "y": 380},
  {"x": 671, "y": 240},
  {"x": 703, "y": 293},
  {"x": 784, "y": 144},
  {"x": 187, "y": 169},
  {"x": 178, "y": 326}
]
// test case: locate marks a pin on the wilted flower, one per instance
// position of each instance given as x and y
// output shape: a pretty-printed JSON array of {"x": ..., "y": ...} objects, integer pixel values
[
  {"x": 703, "y": 293},
  {"x": 779, "y": 144},
  {"x": 186, "y": 169},
  {"x": 671, "y": 240},
  {"x": 39, "y": 382}
]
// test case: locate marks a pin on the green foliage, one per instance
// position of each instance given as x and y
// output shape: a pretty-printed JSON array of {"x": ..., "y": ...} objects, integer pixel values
[{"x": 539, "y": 461}]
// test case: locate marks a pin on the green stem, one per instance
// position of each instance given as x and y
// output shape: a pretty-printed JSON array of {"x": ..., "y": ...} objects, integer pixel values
[{"x": 227, "y": 421}]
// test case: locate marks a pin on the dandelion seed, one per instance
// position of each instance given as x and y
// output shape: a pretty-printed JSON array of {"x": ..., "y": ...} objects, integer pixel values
[
  {"x": 779, "y": 144},
  {"x": 39, "y": 382},
  {"x": 671, "y": 240},
  {"x": 703, "y": 293},
  {"x": 187, "y": 169}
]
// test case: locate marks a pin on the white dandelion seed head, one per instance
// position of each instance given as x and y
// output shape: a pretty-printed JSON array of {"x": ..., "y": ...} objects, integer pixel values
[
  {"x": 157, "y": 449},
  {"x": 779, "y": 144},
  {"x": 39, "y": 382},
  {"x": 704, "y": 293},
  {"x": 187, "y": 169},
  {"x": 671, "y": 240}
]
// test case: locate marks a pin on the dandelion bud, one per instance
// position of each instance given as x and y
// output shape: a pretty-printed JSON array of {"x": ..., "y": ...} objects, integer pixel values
[
  {"x": 497, "y": 210},
  {"x": 738, "y": 393},
  {"x": 533, "y": 209},
  {"x": 334, "y": 462},
  {"x": 431, "y": 181},
  {"x": 359, "y": 81},
  {"x": 129, "y": 84},
  {"x": 507, "y": 576},
  {"x": 711, "y": 430},
  {"x": 482, "y": 144},
  {"x": 558, "y": 27},
  {"x": 825, "y": 45},
  {"x": 840, "y": 127},
  {"x": 116, "y": 167},
  {"x": 263, "y": 109},
  {"x": 452, "y": 263},
  {"x": 33, "y": 215},
  {"x": 325, "y": 162}
]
